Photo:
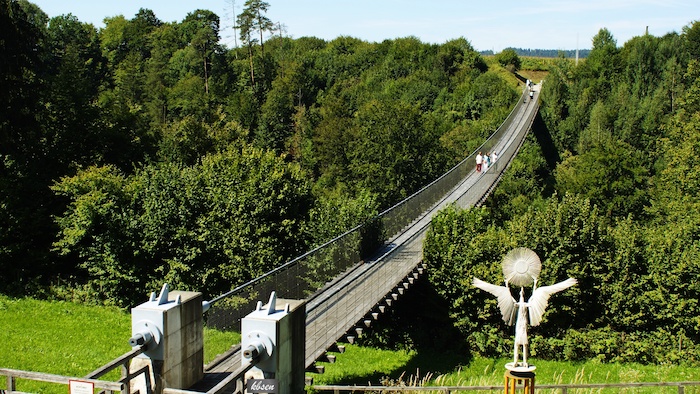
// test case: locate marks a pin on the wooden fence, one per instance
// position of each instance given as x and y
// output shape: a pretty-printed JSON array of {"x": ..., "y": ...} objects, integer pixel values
[
  {"x": 552, "y": 388},
  {"x": 122, "y": 386}
]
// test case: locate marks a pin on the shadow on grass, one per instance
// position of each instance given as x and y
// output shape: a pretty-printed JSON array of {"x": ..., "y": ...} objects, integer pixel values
[{"x": 419, "y": 322}]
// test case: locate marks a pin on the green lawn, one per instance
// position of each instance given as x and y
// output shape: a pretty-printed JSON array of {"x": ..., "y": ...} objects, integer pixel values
[
  {"x": 364, "y": 366},
  {"x": 71, "y": 339}
]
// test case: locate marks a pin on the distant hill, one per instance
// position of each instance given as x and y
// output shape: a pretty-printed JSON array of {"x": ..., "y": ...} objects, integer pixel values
[{"x": 582, "y": 53}]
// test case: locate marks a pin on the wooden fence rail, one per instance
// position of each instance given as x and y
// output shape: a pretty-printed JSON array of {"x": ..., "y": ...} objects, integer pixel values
[
  {"x": 12, "y": 375},
  {"x": 562, "y": 388},
  {"x": 122, "y": 386}
]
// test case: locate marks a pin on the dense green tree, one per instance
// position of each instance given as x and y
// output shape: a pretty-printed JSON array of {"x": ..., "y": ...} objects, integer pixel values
[
  {"x": 76, "y": 68},
  {"x": 643, "y": 66},
  {"x": 236, "y": 215},
  {"x": 276, "y": 114},
  {"x": 677, "y": 188},
  {"x": 603, "y": 64},
  {"x": 691, "y": 40},
  {"x": 509, "y": 59},
  {"x": 568, "y": 235},
  {"x": 20, "y": 64},
  {"x": 201, "y": 29},
  {"x": 391, "y": 153},
  {"x": 122, "y": 37},
  {"x": 23, "y": 199},
  {"x": 166, "y": 40},
  {"x": 251, "y": 20},
  {"x": 611, "y": 174},
  {"x": 525, "y": 184},
  {"x": 485, "y": 95},
  {"x": 554, "y": 99},
  {"x": 332, "y": 138},
  {"x": 186, "y": 141},
  {"x": 458, "y": 56},
  {"x": 94, "y": 232}
]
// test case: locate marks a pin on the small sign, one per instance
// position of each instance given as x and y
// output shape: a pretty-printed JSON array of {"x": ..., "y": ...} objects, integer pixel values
[
  {"x": 262, "y": 386},
  {"x": 78, "y": 387}
]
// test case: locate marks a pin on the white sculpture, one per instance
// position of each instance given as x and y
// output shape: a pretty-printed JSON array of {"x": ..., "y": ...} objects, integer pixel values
[{"x": 521, "y": 267}]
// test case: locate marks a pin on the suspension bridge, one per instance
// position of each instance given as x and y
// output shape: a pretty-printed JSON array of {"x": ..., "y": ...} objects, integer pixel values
[
  {"x": 361, "y": 288},
  {"x": 342, "y": 287}
]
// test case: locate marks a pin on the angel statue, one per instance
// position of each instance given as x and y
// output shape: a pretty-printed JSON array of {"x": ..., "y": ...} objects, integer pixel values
[{"x": 521, "y": 267}]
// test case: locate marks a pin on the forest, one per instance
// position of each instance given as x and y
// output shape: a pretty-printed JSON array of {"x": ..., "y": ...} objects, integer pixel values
[
  {"x": 145, "y": 152},
  {"x": 606, "y": 191}
]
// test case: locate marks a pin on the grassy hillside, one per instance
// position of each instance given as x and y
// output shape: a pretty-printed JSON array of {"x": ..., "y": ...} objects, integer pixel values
[
  {"x": 366, "y": 366},
  {"x": 71, "y": 339}
]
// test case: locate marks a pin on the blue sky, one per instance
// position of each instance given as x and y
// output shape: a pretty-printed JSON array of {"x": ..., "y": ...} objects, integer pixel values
[{"x": 487, "y": 24}]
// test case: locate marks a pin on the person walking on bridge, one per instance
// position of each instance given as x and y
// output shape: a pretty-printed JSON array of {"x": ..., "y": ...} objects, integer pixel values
[{"x": 479, "y": 160}]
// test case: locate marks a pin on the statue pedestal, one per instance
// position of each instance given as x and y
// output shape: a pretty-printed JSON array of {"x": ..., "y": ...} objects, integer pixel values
[{"x": 519, "y": 377}]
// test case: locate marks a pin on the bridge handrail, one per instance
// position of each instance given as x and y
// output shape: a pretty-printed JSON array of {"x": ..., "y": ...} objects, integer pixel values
[
  {"x": 344, "y": 250},
  {"x": 282, "y": 267}
]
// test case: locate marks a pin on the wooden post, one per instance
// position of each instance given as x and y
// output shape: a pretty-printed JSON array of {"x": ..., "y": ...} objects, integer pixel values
[
  {"x": 513, "y": 379},
  {"x": 11, "y": 384}
]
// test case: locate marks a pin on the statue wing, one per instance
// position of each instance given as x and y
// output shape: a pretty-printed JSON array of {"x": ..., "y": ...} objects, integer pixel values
[
  {"x": 538, "y": 301},
  {"x": 506, "y": 302}
]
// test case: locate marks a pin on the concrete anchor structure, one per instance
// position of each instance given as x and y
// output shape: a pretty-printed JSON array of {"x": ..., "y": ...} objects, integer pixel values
[
  {"x": 170, "y": 327},
  {"x": 273, "y": 339}
]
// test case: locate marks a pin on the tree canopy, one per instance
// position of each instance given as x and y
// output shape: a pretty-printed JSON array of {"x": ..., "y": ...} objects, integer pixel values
[
  {"x": 145, "y": 150},
  {"x": 616, "y": 209}
]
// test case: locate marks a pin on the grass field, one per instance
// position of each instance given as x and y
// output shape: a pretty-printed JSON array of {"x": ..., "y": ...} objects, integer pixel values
[
  {"x": 73, "y": 340},
  {"x": 363, "y": 366}
]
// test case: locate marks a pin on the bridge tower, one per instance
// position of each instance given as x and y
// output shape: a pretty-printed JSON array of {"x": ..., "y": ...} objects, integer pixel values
[
  {"x": 170, "y": 328},
  {"x": 273, "y": 339}
]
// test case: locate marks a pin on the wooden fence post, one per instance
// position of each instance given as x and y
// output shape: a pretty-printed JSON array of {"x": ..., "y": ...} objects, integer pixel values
[{"x": 11, "y": 384}]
